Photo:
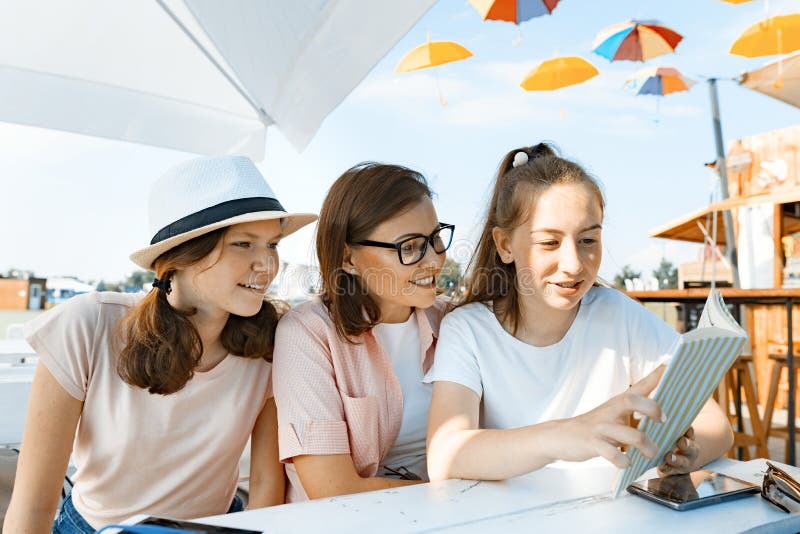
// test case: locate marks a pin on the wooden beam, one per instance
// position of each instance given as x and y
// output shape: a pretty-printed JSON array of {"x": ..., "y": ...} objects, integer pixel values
[{"x": 777, "y": 234}]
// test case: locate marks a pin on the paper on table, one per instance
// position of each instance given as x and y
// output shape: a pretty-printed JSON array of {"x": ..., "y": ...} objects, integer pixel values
[{"x": 701, "y": 359}]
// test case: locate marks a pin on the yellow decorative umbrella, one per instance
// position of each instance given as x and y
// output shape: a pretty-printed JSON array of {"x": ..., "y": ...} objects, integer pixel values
[
  {"x": 736, "y": 1},
  {"x": 558, "y": 72},
  {"x": 433, "y": 54},
  {"x": 774, "y": 35}
]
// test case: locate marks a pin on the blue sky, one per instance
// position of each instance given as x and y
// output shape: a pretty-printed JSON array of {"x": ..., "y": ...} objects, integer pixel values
[{"x": 74, "y": 205}]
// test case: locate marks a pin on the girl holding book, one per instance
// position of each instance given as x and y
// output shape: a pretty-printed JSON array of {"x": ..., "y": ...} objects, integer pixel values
[
  {"x": 160, "y": 392},
  {"x": 352, "y": 408},
  {"x": 536, "y": 363}
]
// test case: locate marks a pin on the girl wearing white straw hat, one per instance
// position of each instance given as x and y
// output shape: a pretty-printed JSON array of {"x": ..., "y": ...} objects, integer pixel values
[{"x": 160, "y": 393}]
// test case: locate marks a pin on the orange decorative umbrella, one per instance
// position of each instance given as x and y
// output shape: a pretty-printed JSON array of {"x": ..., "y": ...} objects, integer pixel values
[
  {"x": 558, "y": 72},
  {"x": 433, "y": 54},
  {"x": 736, "y": 1},
  {"x": 772, "y": 36}
]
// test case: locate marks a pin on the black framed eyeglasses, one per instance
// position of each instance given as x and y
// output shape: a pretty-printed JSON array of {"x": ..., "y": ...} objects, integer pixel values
[
  {"x": 781, "y": 489},
  {"x": 412, "y": 249}
]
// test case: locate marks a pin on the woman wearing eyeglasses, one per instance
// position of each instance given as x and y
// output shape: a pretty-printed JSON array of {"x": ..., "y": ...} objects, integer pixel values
[{"x": 352, "y": 408}]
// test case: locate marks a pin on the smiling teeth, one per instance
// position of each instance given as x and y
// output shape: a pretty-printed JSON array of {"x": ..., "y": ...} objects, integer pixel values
[
  {"x": 568, "y": 285},
  {"x": 424, "y": 281},
  {"x": 251, "y": 286}
]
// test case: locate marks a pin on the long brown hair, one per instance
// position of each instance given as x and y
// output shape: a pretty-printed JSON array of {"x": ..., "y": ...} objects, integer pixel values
[
  {"x": 358, "y": 201},
  {"x": 515, "y": 192},
  {"x": 161, "y": 345}
]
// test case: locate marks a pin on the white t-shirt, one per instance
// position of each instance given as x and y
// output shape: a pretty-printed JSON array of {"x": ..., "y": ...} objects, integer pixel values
[
  {"x": 171, "y": 455},
  {"x": 612, "y": 343},
  {"x": 400, "y": 341}
]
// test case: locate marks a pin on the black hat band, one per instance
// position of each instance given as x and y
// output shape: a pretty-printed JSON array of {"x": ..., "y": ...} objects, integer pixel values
[{"x": 215, "y": 214}]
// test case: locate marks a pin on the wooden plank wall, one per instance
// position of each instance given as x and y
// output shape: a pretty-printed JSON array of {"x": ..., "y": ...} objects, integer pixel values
[{"x": 746, "y": 174}]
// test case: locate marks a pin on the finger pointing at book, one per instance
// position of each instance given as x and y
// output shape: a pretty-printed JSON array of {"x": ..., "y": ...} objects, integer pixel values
[{"x": 604, "y": 430}]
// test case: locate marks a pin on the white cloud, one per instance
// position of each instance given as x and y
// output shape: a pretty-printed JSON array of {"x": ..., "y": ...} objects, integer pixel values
[
  {"x": 498, "y": 111},
  {"x": 413, "y": 85}
]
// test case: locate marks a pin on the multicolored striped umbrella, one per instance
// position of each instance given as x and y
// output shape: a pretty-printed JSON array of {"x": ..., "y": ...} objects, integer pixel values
[
  {"x": 658, "y": 81},
  {"x": 635, "y": 41},
  {"x": 515, "y": 11}
]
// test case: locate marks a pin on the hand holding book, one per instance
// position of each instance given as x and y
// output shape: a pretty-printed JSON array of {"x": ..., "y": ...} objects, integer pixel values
[{"x": 701, "y": 359}]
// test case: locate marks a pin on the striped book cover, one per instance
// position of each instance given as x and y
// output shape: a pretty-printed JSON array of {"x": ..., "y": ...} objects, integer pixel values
[{"x": 701, "y": 359}]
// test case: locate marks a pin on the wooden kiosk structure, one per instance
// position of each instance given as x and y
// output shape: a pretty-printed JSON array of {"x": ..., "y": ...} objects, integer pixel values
[{"x": 763, "y": 170}]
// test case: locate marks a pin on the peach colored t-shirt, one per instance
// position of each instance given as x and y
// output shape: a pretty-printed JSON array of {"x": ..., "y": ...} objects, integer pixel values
[
  {"x": 335, "y": 397},
  {"x": 170, "y": 455}
]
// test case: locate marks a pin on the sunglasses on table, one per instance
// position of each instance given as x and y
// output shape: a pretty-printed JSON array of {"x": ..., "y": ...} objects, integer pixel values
[
  {"x": 781, "y": 489},
  {"x": 412, "y": 249}
]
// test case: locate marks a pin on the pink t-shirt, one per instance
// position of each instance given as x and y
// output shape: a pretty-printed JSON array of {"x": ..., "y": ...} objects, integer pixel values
[
  {"x": 172, "y": 455},
  {"x": 336, "y": 397}
]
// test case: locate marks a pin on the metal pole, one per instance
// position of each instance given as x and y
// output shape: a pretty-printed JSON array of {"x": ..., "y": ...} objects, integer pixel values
[
  {"x": 790, "y": 427},
  {"x": 730, "y": 241}
]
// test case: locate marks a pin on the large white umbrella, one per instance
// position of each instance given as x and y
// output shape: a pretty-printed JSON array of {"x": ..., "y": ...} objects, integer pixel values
[
  {"x": 204, "y": 76},
  {"x": 779, "y": 79}
]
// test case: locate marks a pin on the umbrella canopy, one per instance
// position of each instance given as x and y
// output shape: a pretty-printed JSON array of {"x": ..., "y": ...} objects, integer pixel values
[
  {"x": 775, "y": 35},
  {"x": 192, "y": 75},
  {"x": 515, "y": 11},
  {"x": 558, "y": 72},
  {"x": 764, "y": 80},
  {"x": 736, "y": 1},
  {"x": 658, "y": 81},
  {"x": 635, "y": 41},
  {"x": 432, "y": 54},
  {"x": 688, "y": 227}
]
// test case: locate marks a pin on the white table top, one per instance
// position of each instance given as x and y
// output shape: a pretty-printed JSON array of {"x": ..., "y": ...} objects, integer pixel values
[{"x": 548, "y": 500}]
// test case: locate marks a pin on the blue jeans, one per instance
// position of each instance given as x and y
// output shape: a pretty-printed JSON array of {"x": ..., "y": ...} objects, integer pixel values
[{"x": 69, "y": 521}]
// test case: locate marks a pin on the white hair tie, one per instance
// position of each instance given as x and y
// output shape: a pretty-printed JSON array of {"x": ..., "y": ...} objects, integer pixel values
[{"x": 520, "y": 158}]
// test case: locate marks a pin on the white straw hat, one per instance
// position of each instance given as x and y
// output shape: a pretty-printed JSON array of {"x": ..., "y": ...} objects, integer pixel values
[{"x": 204, "y": 194}]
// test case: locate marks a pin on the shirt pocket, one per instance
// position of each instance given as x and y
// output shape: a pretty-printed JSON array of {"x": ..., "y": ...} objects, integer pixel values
[{"x": 363, "y": 427}]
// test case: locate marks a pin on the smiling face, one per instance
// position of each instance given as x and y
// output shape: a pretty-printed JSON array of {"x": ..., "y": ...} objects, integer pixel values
[
  {"x": 395, "y": 287},
  {"x": 557, "y": 250},
  {"x": 235, "y": 276}
]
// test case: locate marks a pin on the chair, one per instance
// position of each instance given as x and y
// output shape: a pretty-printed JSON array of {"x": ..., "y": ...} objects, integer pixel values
[
  {"x": 739, "y": 379},
  {"x": 779, "y": 359}
]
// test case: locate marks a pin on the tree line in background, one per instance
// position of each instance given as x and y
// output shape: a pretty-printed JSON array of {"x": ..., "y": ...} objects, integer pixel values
[
  {"x": 666, "y": 273},
  {"x": 133, "y": 282}
]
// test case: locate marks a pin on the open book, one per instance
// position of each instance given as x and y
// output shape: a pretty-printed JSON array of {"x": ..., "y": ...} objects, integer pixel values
[{"x": 701, "y": 359}]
